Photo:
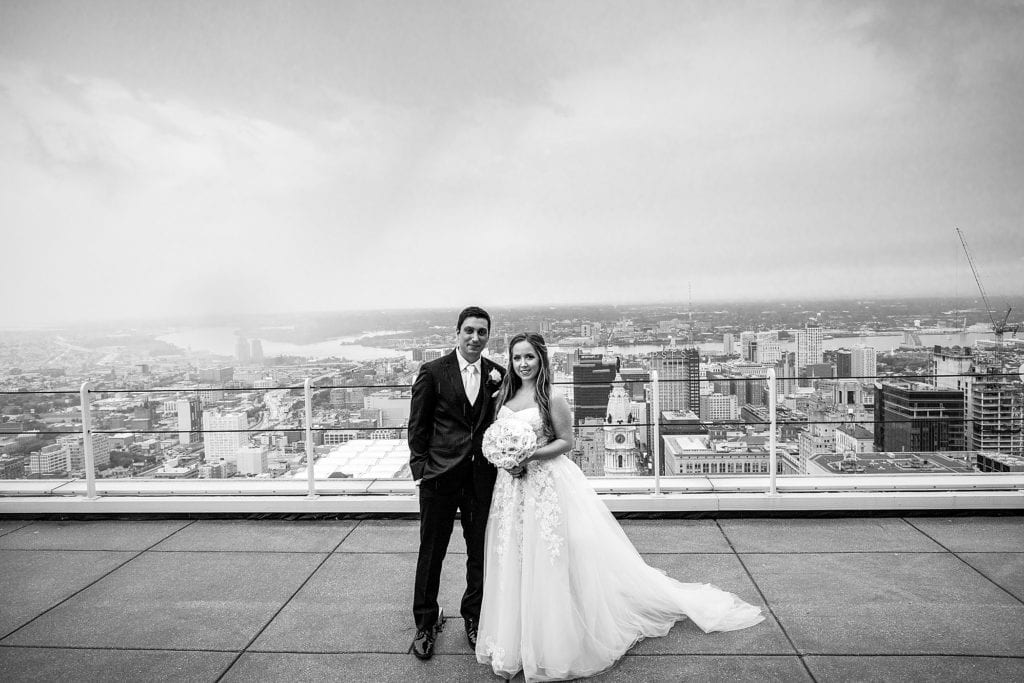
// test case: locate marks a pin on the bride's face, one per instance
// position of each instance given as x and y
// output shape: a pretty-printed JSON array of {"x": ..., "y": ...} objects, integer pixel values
[{"x": 525, "y": 360}]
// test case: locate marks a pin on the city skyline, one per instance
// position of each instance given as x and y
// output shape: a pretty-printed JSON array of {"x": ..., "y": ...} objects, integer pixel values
[{"x": 247, "y": 158}]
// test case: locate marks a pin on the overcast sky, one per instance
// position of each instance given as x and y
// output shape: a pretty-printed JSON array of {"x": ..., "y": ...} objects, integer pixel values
[{"x": 201, "y": 157}]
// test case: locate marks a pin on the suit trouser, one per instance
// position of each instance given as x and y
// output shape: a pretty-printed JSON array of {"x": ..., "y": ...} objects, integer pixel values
[{"x": 439, "y": 500}]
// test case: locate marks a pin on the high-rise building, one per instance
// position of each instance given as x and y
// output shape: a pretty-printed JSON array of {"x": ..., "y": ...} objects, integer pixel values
[
  {"x": 75, "y": 443},
  {"x": 256, "y": 351},
  {"x": 863, "y": 362},
  {"x": 190, "y": 420},
  {"x": 914, "y": 416},
  {"x": 678, "y": 378},
  {"x": 50, "y": 459},
  {"x": 785, "y": 374},
  {"x": 748, "y": 346},
  {"x": 844, "y": 363},
  {"x": 592, "y": 376},
  {"x": 768, "y": 350},
  {"x": 218, "y": 445},
  {"x": 242, "y": 350},
  {"x": 996, "y": 408},
  {"x": 728, "y": 343},
  {"x": 953, "y": 367},
  {"x": 808, "y": 346},
  {"x": 719, "y": 407}
]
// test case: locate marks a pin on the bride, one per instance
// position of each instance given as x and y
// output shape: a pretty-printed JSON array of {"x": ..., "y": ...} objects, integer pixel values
[{"x": 565, "y": 592}]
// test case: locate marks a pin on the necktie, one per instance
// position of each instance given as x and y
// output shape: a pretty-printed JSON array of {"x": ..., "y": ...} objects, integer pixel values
[{"x": 472, "y": 383}]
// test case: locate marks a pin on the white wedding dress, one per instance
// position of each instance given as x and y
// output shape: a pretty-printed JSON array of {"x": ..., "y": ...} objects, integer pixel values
[{"x": 565, "y": 592}]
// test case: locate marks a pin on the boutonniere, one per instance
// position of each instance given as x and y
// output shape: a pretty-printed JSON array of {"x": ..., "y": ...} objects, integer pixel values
[{"x": 495, "y": 376}]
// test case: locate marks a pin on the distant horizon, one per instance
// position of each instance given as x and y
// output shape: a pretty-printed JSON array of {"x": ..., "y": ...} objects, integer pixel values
[{"x": 227, "y": 319}]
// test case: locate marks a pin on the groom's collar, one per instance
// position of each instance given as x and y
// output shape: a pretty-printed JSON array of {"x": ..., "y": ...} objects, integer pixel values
[{"x": 463, "y": 362}]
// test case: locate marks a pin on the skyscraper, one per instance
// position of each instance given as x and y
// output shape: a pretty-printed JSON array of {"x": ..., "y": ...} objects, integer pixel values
[
  {"x": 678, "y": 378},
  {"x": 190, "y": 420},
  {"x": 844, "y": 363},
  {"x": 217, "y": 444},
  {"x": 996, "y": 407},
  {"x": 728, "y": 343},
  {"x": 592, "y": 376},
  {"x": 863, "y": 362},
  {"x": 256, "y": 351},
  {"x": 242, "y": 350},
  {"x": 808, "y": 346},
  {"x": 914, "y": 416},
  {"x": 768, "y": 350},
  {"x": 748, "y": 346}
]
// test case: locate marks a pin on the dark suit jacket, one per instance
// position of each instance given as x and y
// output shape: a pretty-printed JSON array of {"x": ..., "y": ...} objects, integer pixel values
[{"x": 445, "y": 431}]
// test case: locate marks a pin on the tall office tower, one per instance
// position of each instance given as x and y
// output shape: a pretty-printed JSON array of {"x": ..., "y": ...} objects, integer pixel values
[
  {"x": 587, "y": 330},
  {"x": 242, "y": 350},
  {"x": 844, "y": 363},
  {"x": 592, "y": 376},
  {"x": 785, "y": 374},
  {"x": 996, "y": 409},
  {"x": 768, "y": 350},
  {"x": 224, "y": 445},
  {"x": 256, "y": 351},
  {"x": 728, "y": 343},
  {"x": 808, "y": 346},
  {"x": 545, "y": 329},
  {"x": 748, "y": 345},
  {"x": 621, "y": 452},
  {"x": 914, "y": 416},
  {"x": 864, "y": 362},
  {"x": 953, "y": 367},
  {"x": 190, "y": 420},
  {"x": 75, "y": 443},
  {"x": 678, "y": 378}
]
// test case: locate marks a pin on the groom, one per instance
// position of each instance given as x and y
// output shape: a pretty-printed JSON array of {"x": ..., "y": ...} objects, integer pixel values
[{"x": 452, "y": 406}]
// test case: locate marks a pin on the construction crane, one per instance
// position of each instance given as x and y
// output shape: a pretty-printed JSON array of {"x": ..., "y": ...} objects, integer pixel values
[{"x": 998, "y": 328}]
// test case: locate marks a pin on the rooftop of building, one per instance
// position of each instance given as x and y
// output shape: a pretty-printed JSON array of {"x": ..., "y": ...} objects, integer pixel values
[{"x": 866, "y": 598}]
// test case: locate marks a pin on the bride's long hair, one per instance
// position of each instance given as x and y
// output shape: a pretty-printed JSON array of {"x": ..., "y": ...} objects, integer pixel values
[{"x": 541, "y": 385}]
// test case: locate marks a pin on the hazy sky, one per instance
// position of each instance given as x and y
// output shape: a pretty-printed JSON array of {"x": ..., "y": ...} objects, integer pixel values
[{"x": 203, "y": 157}]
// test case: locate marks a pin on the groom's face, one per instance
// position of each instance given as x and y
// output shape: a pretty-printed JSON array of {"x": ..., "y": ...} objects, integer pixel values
[{"x": 472, "y": 338}]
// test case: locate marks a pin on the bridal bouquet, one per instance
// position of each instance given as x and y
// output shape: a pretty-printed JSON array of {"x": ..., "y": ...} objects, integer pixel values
[{"x": 508, "y": 441}]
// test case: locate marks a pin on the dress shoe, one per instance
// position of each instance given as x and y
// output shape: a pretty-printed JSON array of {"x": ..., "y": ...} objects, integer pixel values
[
  {"x": 423, "y": 643},
  {"x": 471, "y": 629}
]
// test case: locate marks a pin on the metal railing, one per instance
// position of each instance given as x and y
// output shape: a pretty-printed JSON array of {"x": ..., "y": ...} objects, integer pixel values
[{"x": 770, "y": 485}]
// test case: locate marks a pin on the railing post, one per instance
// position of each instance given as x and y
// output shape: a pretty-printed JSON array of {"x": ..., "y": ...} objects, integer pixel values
[
  {"x": 308, "y": 391},
  {"x": 656, "y": 433},
  {"x": 773, "y": 464},
  {"x": 90, "y": 458}
]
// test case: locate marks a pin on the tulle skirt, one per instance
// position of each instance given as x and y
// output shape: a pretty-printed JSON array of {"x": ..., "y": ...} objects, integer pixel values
[{"x": 565, "y": 592}]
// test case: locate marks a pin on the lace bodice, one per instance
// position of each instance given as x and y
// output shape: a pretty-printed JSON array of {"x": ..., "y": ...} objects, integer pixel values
[{"x": 530, "y": 416}]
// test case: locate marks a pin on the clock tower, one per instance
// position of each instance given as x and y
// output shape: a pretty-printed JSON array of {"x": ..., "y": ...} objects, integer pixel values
[{"x": 621, "y": 450}]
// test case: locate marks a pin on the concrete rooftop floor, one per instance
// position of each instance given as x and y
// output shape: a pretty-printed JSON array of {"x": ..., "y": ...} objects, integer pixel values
[{"x": 847, "y": 599}]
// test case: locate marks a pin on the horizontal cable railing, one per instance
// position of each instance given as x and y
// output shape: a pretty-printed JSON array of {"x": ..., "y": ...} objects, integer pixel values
[{"x": 648, "y": 458}]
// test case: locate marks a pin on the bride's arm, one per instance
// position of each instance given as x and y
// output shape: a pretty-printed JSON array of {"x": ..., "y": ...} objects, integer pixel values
[{"x": 561, "y": 420}]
